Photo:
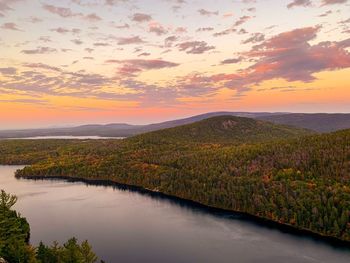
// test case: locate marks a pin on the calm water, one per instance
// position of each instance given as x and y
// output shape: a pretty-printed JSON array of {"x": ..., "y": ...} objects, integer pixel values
[{"x": 127, "y": 226}]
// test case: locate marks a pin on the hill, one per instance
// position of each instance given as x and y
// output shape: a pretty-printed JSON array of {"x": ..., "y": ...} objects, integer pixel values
[
  {"x": 196, "y": 118},
  {"x": 320, "y": 122},
  {"x": 118, "y": 129},
  {"x": 301, "y": 181},
  {"x": 223, "y": 129}
]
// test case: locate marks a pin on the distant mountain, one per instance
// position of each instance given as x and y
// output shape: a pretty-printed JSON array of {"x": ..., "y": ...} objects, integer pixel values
[
  {"x": 119, "y": 129},
  {"x": 175, "y": 123},
  {"x": 113, "y": 130},
  {"x": 223, "y": 129},
  {"x": 320, "y": 122}
]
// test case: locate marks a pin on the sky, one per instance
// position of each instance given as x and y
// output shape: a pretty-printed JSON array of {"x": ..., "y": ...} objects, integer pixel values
[{"x": 73, "y": 62}]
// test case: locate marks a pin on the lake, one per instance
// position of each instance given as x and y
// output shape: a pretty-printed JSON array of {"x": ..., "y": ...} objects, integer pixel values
[{"x": 130, "y": 226}]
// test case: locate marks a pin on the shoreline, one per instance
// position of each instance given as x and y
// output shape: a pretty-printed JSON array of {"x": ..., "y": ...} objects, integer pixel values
[{"x": 265, "y": 222}]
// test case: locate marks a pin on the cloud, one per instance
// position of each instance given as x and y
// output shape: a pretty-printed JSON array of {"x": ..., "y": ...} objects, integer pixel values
[
  {"x": 233, "y": 28},
  {"x": 228, "y": 15},
  {"x": 204, "y": 29},
  {"x": 328, "y": 12},
  {"x": 169, "y": 41},
  {"x": 10, "y": 26},
  {"x": 77, "y": 41},
  {"x": 42, "y": 66},
  {"x": 194, "y": 47},
  {"x": 231, "y": 60},
  {"x": 27, "y": 101},
  {"x": 255, "y": 38},
  {"x": 294, "y": 55},
  {"x": 56, "y": 82},
  {"x": 144, "y": 54},
  {"x": 100, "y": 44},
  {"x": 89, "y": 50},
  {"x": 181, "y": 30},
  {"x": 5, "y": 6},
  {"x": 39, "y": 50},
  {"x": 34, "y": 19},
  {"x": 130, "y": 40},
  {"x": 205, "y": 12},
  {"x": 295, "y": 3},
  {"x": 158, "y": 29},
  {"x": 242, "y": 20},
  {"x": 225, "y": 32},
  {"x": 332, "y": 2},
  {"x": 285, "y": 89},
  {"x": 62, "y": 30},
  {"x": 92, "y": 17},
  {"x": 114, "y": 2},
  {"x": 140, "y": 17},
  {"x": 61, "y": 11},
  {"x": 45, "y": 39},
  {"x": 148, "y": 64},
  {"x": 8, "y": 71},
  {"x": 123, "y": 26},
  {"x": 130, "y": 67},
  {"x": 68, "y": 13},
  {"x": 290, "y": 56}
]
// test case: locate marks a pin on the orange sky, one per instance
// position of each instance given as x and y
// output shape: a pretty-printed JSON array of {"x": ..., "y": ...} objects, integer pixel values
[{"x": 76, "y": 62}]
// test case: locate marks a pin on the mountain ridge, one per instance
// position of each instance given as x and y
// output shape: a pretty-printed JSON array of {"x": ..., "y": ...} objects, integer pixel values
[
  {"x": 223, "y": 129},
  {"x": 319, "y": 122}
]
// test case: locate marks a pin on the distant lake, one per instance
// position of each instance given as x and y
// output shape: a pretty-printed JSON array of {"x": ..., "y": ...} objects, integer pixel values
[
  {"x": 66, "y": 138},
  {"x": 130, "y": 226}
]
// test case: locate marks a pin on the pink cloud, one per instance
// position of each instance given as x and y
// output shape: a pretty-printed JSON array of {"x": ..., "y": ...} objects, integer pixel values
[
  {"x": 5, "y": 6},
  {"x": 332, "y": 2},
  {"x": 205, "y": 12},
  {"x": 131, "y": 67},
  {"x": 130, "y": 40},
  {"x": 157, "y": 28},
  {"x": 288, "y": 56},
  {"x": 194, "y": 47},
  {"x": 295, "y": 3},
  {"x": 10, "y": 26},
  {"x": 140, "y": 17}
]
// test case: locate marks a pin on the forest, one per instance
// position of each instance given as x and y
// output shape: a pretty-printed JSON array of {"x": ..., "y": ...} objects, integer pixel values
[
  {"x": 14, "y": 240},
  {"x": 279, "y": 173}
]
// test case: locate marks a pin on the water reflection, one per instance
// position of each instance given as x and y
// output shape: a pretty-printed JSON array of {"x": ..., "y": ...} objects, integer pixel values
[{"x": 126, "y": 224}]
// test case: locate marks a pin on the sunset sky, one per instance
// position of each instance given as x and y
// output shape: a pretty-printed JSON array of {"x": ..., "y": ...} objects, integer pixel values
[{"x": 72, "y": 62}]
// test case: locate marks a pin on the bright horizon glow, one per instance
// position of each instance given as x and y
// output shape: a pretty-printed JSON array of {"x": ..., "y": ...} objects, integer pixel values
[{"x": 76, "y": 62}]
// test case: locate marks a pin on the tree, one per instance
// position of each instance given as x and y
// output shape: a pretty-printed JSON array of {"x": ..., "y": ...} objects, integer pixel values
[
  {"x": 71, "y": 252},
  {"x": 7, "y": 201},
  {"x": 87, "y": 254}
]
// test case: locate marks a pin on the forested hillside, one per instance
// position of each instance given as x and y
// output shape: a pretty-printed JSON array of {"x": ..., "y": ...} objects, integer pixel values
[
  {"x": 223, "y": 129},
  {"x": 319, "y": 122},
  {"x": 302, "y": 181},
  {"x": 121, "y": 129}
]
